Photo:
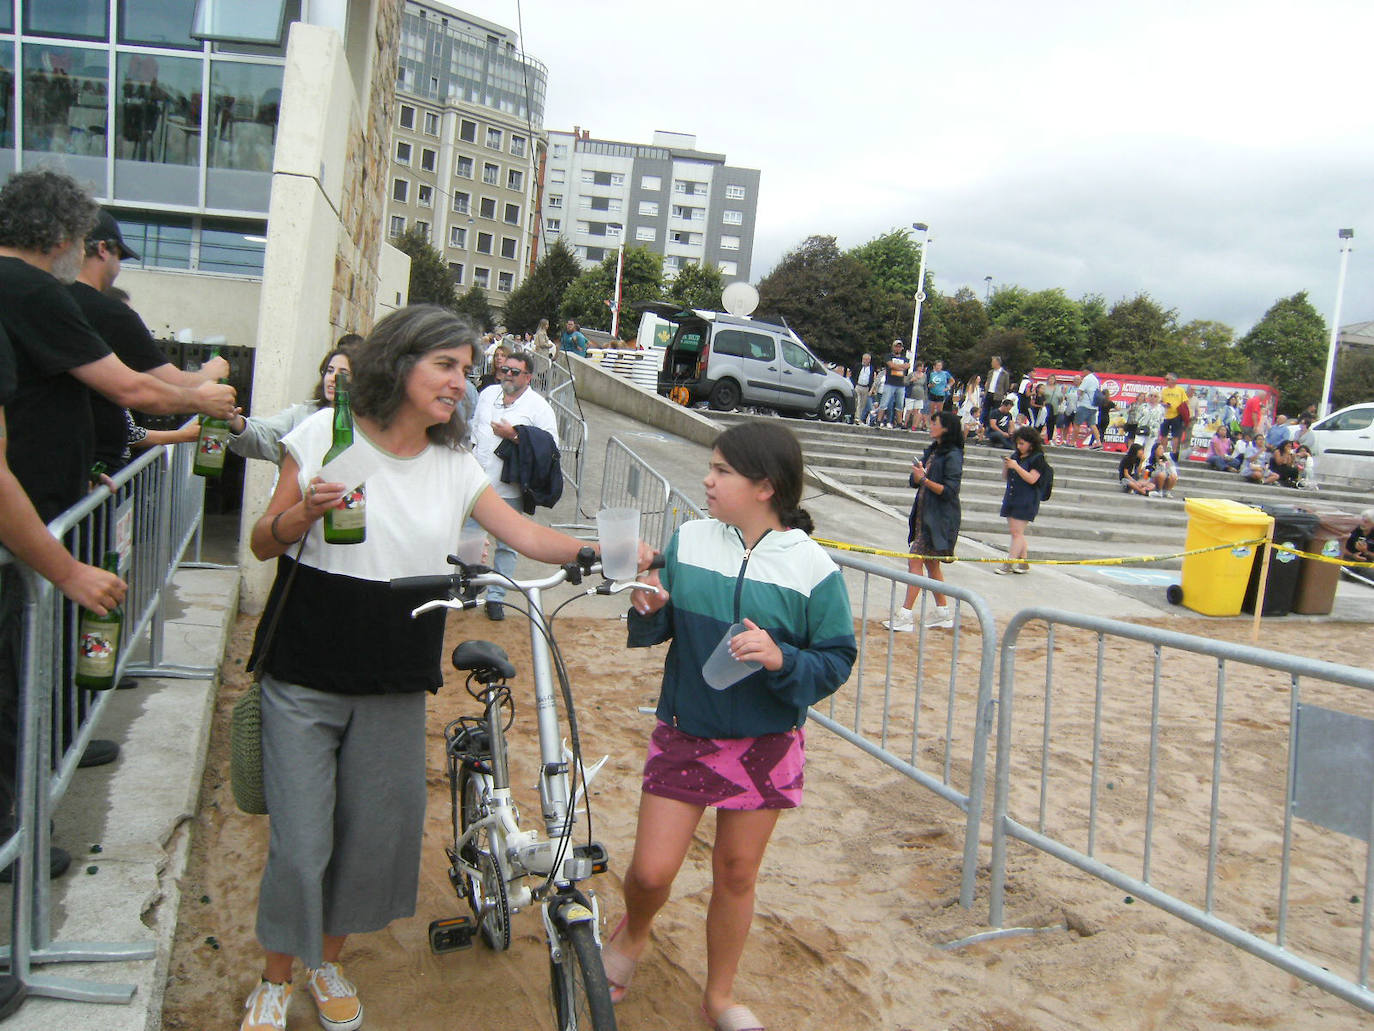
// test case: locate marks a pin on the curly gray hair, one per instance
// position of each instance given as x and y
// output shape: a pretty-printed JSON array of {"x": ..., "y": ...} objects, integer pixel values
[{"x": 42, "y": 210}]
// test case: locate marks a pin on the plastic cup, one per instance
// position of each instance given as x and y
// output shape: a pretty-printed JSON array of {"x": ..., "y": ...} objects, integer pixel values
[
  {"x": 618, "y": 531},
  {"x": 472, "y": 548},
  {"x": 722, "y": 669}
]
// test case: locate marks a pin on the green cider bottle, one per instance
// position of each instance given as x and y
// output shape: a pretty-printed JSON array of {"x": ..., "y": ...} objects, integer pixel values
[
  {"x": 347, "y": 525},
  {"x": 98, "y": 640},
  {"x": 213, "y": 443}
]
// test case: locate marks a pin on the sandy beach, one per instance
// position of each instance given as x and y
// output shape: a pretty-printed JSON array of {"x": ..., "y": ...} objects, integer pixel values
[{"x": 858, "y": 898}]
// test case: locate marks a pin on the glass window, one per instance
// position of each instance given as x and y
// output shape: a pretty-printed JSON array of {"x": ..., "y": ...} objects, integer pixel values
[
  {"x": 505, "y": 281},
  {"x": 84, "y": 19},
  {"x": 650, "y": 182},
  {"x": 428, "y": 159},
  {"x": 158, "y": 111},
  {"x": 403, "y": 152},
  {"x": 733, "y": 218},
  {"x": 7, "y": 21},
  {"x": 431, "y": 124},
  {"x": 734, "y": 192},
  {"x": 457, "y": 236},
  {"x": 423, "y": 228},
  {"x": 424, "y": 195},
  {"x": 398, "y": 225},
  {"x": 163, "y": 23},
  {"x": 648, "y": 207},
  {"x": 487, "y": 208},
  {"x": 455, "y": 271},
  {"x": 508, "y": 245},
  {"x": 742, "y": 344},
  {"x": 232, "y": 247},
  {"x": 6, "y": 108},
  {"x": 164, "y": 244},
  {"x": 461, "y": 202},
  {"x": 515, "y": 179},
  {"x": 511, "y": 215},
  {"x": 407, "y": 117},
  {"x": 729, "y": 268},
  {"x": 517, "y": 145},
  {"x": 553, "y": 225},
  {"x": 261, "y": 22},
  {"x": 463, "y": 168},
  {"x": 798, "y": 357},
  {"x": 647, "y": 233},
  {"x": 483, "y": 243},
  {"x": 557, "y": 175},
  {"x": 467, "y": 131},
  {"x": 555, "y": 200},
  {"x": 400, "y": 190},
  {"x": 491, "y": 174},
  {"x": 242, "y": 122},
  {"x": 729, "y": 243},
  {"x": 560, "y": 150},
  {"x": 481, "y": 277},
  {"x": 494, "y": 138},
  {"x": 64, "y": 109},
  {"x": 596, "y": 253}
]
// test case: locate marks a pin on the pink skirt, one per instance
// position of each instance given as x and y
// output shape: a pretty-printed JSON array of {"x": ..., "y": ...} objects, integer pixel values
[{"x": 762, "y": 772}]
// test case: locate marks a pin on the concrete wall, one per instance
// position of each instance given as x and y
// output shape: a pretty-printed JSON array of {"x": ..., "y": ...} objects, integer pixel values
[
  {"x": 320, "y": 275},
  {"x": 208, "y": 305},
  {"x": 394, "y": 289}
]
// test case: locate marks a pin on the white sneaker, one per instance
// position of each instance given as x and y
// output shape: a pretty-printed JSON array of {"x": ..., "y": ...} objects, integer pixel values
[
  {"x": 940, "y": 618},
  {"x": 904, "y": 623},
  {"x": 266, "y": 1007}
]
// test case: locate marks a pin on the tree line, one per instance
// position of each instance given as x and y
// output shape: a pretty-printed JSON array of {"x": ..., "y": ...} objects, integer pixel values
[{"x": 843, "y": 303}]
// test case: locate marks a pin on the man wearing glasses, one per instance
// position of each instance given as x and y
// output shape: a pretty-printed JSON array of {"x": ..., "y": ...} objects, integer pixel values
[{"x": 502, "y": 409}]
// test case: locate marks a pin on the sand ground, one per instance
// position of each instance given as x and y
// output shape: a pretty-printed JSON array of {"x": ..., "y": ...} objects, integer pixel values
[{"x": 858, "y": 898}]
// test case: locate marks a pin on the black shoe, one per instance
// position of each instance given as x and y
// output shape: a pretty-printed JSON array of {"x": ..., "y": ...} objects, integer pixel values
[
  {"x": 58, "y": 861},
  {"x": 99, "y": 753},
  {"x": 496, "y": 611},
  {"x": 12, "y": 995}
]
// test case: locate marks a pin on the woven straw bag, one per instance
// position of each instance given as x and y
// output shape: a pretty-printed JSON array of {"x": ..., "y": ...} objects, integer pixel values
[{"x": 245, "y": 752}]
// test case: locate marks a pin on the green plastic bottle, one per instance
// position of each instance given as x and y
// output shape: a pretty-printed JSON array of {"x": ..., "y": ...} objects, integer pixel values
[
  {"x": 347, "y": 525},
  {"x": 98, "y": 640},
  {"x": 213, "y": 443}
]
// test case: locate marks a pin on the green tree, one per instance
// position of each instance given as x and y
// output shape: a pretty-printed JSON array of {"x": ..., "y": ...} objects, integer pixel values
[
  {"x": 1054, "y": 324},
  {"x": 963, "y": 323},
  {"x": 1005, "y": 304},
  {"x": 589, "y": 298},
  {"x": 829, "y": 299},
  {"x": 475, "y": 306},
  {"x": 1016, "y": 349},
  {"x": 430, "y": 279},
  {"x": 1353, "y": 381},
  {"x": 893, "y": 261},
  {"x": 1096, "y": 329},
  {"x": 1204, "y": 349},
  {"x": 1136, "y": 337},
  {"x": 1287, "y": 349},
  {"x": 541, "y": 294},
  {"x": 697, "y": 286}
]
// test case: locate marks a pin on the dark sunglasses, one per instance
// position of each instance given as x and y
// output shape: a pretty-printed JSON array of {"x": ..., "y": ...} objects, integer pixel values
[{"x": 510, "y": 370}]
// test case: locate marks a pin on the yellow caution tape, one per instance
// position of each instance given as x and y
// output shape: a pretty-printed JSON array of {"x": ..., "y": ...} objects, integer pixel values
[{"x": 1122, "y": 561}]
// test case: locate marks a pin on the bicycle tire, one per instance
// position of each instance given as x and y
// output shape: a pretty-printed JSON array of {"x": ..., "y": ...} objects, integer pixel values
[
  {"x": 581, "y": 993},
  {"x": 487, "y": 895}
]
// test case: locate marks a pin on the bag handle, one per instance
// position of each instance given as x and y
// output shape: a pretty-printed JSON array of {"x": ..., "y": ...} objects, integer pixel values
[{"x": 280, "y": 606}]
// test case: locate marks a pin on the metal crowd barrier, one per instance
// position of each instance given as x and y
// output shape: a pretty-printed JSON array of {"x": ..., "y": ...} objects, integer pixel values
[
  {"x": 1105, "y": 813},
  {"x": 149, "y": 518},
  {"x": 627, "y": 481},
  {"x": 572, "y": 445},
  {"x": 922, "y": 716},
  {"x": 681, "y": 509}
]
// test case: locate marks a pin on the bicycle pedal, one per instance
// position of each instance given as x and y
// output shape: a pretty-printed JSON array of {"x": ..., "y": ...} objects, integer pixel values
[
  {"x": 596, "y": 852},
  {"x": 451, "y": 935}
]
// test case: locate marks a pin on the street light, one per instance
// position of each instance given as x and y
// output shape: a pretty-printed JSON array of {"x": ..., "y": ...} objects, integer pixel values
[
  {"x": 987, "y": 297},
  {"x": 619, "y": 273},
  {"x": 920, "y": 227},
  {"x": 1345, "y": 235}
]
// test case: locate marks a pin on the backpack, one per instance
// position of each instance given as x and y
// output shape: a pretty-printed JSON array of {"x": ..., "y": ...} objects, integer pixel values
[
  {"x": 1046, "y": 481},
  {"x": 1100, "y": 398}
]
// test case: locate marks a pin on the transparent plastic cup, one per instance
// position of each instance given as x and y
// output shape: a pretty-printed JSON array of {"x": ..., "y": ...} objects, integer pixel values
[
  {"x": 722, "y": 669},
  {"x": 617, "y": 529},
  {"x": 472, "y": 549}
]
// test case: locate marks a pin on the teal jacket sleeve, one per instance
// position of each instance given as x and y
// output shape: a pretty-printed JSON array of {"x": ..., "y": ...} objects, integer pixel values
[
  {"x": 819, "y": 666},
  {"x": 647, "y": 631}
]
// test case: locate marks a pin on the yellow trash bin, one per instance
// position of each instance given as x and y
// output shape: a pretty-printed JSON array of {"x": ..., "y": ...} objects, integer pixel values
[{"x": 1214, "y": 582}]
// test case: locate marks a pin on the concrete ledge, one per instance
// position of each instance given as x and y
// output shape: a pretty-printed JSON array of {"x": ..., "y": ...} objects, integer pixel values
[{"x": 605, "y": 388}]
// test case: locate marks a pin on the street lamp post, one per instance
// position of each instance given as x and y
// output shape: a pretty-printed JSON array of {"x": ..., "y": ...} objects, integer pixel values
[
  {"x": 1345, "y": 236},
  {"x": 920, "y": 227},
  {"x": 987, "y": 296},
  {"x": 619, "y": 274}
]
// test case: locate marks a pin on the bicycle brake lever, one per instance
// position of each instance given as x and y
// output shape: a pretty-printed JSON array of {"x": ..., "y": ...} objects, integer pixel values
[
  {"x": 609, "y": 587},
  {"x": 457, "y": 604}
]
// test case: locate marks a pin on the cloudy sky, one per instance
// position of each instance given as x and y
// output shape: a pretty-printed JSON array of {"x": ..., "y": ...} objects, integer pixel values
[{"x": 1206, "y": 152}]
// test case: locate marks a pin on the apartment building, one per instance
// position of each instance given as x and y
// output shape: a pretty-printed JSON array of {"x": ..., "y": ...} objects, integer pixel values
[
  {"x": 467, "y": 144},
  {"x": 685, "y": 204}
]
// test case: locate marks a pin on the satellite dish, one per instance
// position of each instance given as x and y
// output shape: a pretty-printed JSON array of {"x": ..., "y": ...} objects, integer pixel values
[{"x": 739, "y": 299}]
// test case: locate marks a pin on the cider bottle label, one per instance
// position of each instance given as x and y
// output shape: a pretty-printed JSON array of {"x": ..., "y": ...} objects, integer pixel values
[
  {"x": 98, "y": 649},
  {"x": 353, "y": 516}
]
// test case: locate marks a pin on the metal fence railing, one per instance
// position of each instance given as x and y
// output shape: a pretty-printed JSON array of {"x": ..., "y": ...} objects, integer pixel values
[
  {"x": 1103, "y": 770},
  {"x": 148, "y": 518},
  {"x": 681, "y": 509},
  {"x": 921, "y": 702},
  {"x": 627, "y": 481},
  {"x": 572, "y": 445}
]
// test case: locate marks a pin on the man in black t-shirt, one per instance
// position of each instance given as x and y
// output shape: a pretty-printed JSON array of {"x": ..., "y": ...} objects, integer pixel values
[
  {"x": 126, "y": 334},
  {"x": 1002, "y": 425}
]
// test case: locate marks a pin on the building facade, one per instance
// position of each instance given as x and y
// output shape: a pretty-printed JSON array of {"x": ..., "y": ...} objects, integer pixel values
[
  {"x": 467, "y": 146},
  {"x": 685, "y": 204}
]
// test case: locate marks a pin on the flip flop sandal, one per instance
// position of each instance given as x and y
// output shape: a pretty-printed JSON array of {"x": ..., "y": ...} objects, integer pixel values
[
  {"x": 619, "y": 968},
  {"x": 736, "y": 1018}
]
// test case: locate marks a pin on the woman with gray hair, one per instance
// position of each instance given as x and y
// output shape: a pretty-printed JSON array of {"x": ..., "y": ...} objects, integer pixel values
[
  {"x": 1359, "y": 547},
  {"x": 344, "y": 678}
]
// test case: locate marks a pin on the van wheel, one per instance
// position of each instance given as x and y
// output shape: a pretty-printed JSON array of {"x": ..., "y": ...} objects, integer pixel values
[
  {"x": 724, "y": 396},
  {"x": 832, "y": 407}
]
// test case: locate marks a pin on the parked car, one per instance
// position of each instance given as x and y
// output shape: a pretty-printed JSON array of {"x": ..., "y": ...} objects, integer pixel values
[
  {"x": 729, "y": 361},
  {"x": 1344, "y": 443}
]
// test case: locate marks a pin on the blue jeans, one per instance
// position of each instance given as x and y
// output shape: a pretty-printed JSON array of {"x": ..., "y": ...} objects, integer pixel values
[
  {"x": 503, "y": 559},
  {"x": 893, "y": 396}
]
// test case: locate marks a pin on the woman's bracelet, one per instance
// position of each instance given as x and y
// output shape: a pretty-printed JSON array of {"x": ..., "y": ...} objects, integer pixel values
[{"x": 272, "y": 529}]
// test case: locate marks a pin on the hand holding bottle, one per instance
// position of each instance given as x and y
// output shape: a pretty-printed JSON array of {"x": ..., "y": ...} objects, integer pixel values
[
  {"x": 321, "y": 496},
  {"x": 214, "y": 399},
  {"x": 92, "y": 588}
]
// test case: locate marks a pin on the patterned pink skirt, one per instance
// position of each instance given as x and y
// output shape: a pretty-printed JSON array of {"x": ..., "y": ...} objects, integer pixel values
[{"x": 762, "y": 772}]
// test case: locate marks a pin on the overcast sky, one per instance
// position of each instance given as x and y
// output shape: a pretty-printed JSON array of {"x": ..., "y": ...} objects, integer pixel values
[{"x": 1205, "y": 152}]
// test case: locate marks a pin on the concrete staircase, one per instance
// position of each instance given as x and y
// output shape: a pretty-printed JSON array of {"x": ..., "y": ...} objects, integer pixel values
[{"x": 1088, "y": 516}]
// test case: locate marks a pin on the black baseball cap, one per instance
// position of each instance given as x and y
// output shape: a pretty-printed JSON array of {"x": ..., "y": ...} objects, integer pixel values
[{"x": 107, "y": 229}]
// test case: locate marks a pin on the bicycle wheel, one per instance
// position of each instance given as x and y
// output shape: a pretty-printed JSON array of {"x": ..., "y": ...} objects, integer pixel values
[
  {"x": 581, "y": 994},
  {"x": 485, "y": 894}
]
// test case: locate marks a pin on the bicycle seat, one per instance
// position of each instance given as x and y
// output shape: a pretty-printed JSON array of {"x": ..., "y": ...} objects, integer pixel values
[{"x": 489, "y": 661}]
